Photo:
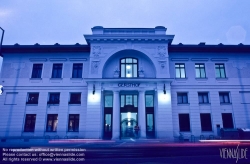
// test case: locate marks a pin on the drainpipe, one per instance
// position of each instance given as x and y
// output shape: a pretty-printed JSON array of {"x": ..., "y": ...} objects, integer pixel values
[{"x": 1, "y": 42}]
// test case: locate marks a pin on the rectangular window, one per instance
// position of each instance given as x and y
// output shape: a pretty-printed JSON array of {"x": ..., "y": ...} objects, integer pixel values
[
  {"x": 200, "y": 71},
  {"x": 75, "y": 98},
  {"x": 227, "y": 120},
  {"x": 149, "y": 100},
  {"x": 182, "y": 98},
  {"x": 30, "y": 121},
  {"x": 206, "y": 124},
  {"x": 108, "y": 101},
  {"x": 57, "y": 71},
  {"x": 224, "y": 97},
  {"x": 73, "y": 123},
  {"x": 77, "y": 70},
  {"x": 184, "y": 122},
  {"x": 220, "y": 71},
  {"x": 54, "y": 98},
  {"x": 32, "y": 98},
  {"x": 129, "y": 100},
  {"x": 180, "y": 71},
  {"x": 52, "y": 121},
  {"x": 203, "y": 97},
  {"x": 37, "y": 71}
]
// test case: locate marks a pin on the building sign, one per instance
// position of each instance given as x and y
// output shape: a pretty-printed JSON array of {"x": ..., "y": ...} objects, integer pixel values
[{"x": 128, "y": 84}]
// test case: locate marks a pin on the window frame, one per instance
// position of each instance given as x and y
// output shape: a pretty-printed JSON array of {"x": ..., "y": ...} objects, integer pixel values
[
  {"x": 179, "y": 68},
  {"x": 223, "y": 94},
  {"x": 75, "y": 102},
  {"x": 77, "y": 70},
  {"x": 28, "y": 98},
  {"x": 220, "y": 68},
  {"x": 202, "y": 95},
  {"x": 53, "y": 121},
  {"x": 182, "y": 94},
  {"x": 32, "y": 124},
  {"x": 76, "y": 121},
  {"x": 125, "y": 100},
  {"x": 52, "y": 74},
  {"x": 187, "y": 126},
  {"x": 200, "y": 68},
  {"x": 132, "y": 69},
  {"x": 35, "y": 72},
  {"x": 50, "y": 101}
]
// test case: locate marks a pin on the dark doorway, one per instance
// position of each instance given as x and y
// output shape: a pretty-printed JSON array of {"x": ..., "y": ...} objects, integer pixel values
[{"x": 227, "y": 120}]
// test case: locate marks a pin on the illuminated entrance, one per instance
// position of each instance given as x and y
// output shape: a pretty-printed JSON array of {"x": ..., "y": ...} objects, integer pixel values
[{"x": 129, "y": 118}]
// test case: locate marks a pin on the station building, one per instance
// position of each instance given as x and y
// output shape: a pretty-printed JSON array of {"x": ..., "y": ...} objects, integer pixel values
[{"x": 121, "y": 78}]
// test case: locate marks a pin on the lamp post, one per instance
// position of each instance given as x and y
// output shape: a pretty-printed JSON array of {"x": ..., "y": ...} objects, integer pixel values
[{"x": 1, "y": 41}]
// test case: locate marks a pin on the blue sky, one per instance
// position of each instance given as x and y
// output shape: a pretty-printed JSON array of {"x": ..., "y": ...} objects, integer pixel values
[{"x": 64, "y": 22}]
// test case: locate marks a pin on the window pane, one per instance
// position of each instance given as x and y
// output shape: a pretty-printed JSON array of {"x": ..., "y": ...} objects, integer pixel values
[
  {"x": 123, "y": 70},
  {"x": 197, "y": 73},
  {"x": 227, "y": 120},
  {"x": 217, "y": 72},
  {"x": 108, "y": 101},
  {"x": 128, "y": 60},
  {"x": 134, "y": 60},
  {"x": 222, "y": 71},
  {"x": 205, "y": 97},
  {"x": 135, "y": 100},
  {"x": 185, "y": 99},
  {"x": 177, "y": 73},
  {"x": 122, "y": 100},
  {"x": 203, "y": 74},
  {"x": 123, "y": 61},
  {"x": 200, "y": 99},
  {"x": 183, "y": 73},
  {"x": 128, "y": 99},
  {"x": 149, "y": 101},
  {"x": 128, "y": 70},
  {"x": 179, "y": 98},
  {"x": 134, "y": 70},
  {"x": 226, "y": 98}
]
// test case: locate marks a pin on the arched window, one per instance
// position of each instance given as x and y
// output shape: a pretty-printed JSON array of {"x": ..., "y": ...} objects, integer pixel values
[{"x": 129, "y": 67}]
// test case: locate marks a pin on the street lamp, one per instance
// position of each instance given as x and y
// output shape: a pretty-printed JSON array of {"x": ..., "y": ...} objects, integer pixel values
[{"x": 1, "y": 41}]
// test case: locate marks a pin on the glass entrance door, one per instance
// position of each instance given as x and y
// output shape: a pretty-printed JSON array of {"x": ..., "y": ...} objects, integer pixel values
[
  {"x": 107, "y": 126},
  {"x": 128, "y": 122},
  {"x": 150, "y": 127}
]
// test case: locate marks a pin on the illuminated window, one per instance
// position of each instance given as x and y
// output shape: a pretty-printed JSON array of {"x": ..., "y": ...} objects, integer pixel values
[
  {"x": 32, "y": 98},
  {"x": 30, "y": 122},
  {"x": 73, "y": 125},
  {"x": 129, "y": 67},
  {"x": 200, "y": 71},
  {"x": 180, "y": 70},
  {"x": 220, "y": 71},
  {"x": 52, "y": 121}
]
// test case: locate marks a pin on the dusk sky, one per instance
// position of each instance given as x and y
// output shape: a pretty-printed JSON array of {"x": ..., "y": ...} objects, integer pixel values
[{"x": 64, "y": 22}]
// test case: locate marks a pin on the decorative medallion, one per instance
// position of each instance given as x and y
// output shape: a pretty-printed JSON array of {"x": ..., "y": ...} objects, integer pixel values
[
  {"x": 162, "y": 51},
  {"x": 96, "y": 51},
  {"x": 94, "y": 67}
]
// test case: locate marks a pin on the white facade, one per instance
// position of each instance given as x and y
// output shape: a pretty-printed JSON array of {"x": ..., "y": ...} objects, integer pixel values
[{"x": 111, "y": 105}]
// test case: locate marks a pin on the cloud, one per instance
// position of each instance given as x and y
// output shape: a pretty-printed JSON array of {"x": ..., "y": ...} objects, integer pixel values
[{"x": 236, "y": 35}]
